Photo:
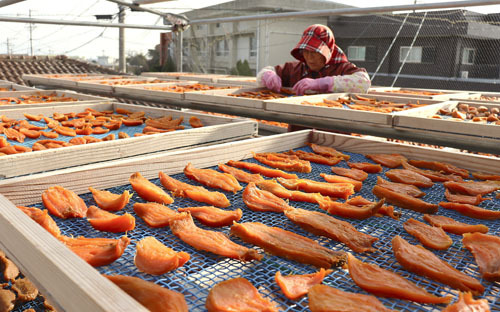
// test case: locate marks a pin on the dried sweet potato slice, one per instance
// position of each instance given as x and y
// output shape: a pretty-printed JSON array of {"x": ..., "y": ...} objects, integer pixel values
[
  {"x": 109, "y": 201},
  {"x": 32, "y": 134},
  {"x": 14, "y": 135},
  {"x": 466, "y": 302},
  {"x": 64, "y": 203},
  {"x": 149, "y": 191},
  {"x": 295, "y": 286},
  {"x": 96, "y": 251},
  {"x": 325, "y": 298},
  {"x": 195, "y": 122},
  {"x": 212, "y": 216},
  {"x": 154, "y": 258},
  {"x": 43, "y": 218},
  {"x": 66, "y": 131},
  {"x": 155, "y": 215},
  {"x": 108, "y": 222},
  {"x": 154, "y": 297},
  {"x": 237, "y": 294}
]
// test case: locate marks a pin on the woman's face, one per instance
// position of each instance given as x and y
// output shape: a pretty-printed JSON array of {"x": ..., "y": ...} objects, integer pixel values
[{"x": 316, "y": 61}]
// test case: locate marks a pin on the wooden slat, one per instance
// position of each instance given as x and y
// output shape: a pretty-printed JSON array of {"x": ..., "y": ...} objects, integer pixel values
[
  {"x": 447, "y": 94},
  {"x": 62, "y": 277}
]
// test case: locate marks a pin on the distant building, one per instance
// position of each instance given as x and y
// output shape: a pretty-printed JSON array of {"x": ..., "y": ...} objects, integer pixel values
[
  {"x": 454, "y": 49},
  {"x": 217, "y": 47}
]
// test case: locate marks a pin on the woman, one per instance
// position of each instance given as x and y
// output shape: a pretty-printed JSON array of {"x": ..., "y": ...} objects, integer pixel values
[{"x": 322, "y": 67}]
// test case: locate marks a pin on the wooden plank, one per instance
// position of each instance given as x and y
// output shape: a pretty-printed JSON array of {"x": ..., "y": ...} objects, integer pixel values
[
  {"x": 205, "y": 78},
  {"x": 422, "y": 120},
  {"x": 62, "y": 277},
  {"x": 447, "y": 94},
  {"x": 14, "y": 87},
  {"x": 494, "y": 98},
  {"x": 239, "y": 80},
  {"x": 223, "y": 97},
  {"x": 293, "y": 105},
  {"x": 82, "y": 98},
  {"x": 152, "y": 95},
  {"x": 101, "y": 86},
  {"x": 216, "y": 129}
]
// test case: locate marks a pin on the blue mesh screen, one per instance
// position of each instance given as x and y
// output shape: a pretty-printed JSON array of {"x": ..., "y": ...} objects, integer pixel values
[{"x": 204, "y": 269}]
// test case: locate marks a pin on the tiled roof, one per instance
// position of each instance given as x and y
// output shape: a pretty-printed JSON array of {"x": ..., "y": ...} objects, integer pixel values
[{"x": 12, "y": 67}]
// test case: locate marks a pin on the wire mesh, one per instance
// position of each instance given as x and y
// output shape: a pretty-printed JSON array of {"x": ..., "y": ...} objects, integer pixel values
[
  {"x": 453, "y": 48},
  {"x": 204, "y": 269}
]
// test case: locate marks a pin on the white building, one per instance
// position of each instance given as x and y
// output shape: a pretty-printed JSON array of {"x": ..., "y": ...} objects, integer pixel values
[{"x": 217, "y": 47}]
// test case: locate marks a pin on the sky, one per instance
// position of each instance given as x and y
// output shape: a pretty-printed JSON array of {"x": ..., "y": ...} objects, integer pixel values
[{"x": 90, "y": 42}]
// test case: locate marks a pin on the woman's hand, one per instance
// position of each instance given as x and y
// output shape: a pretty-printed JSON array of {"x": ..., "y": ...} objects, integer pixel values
[
  {"x": 272, "y": 81},
  {"x": 321, "y": 85}
]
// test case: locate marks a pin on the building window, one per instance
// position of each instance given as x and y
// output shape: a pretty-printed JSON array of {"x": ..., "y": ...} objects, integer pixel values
[
  {"x": 356, "y": 53},
  {"x": 359, "y": 53},
  {"x": 428, "y": 55},
  {"x": 253, "y": 46},
  {"x": 414, "y": 54},
  {"x": 468, "y": 55},
  {"x": 221, "y": 49}
]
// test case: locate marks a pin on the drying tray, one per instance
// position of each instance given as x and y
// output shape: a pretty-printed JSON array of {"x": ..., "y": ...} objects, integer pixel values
[
  {"x": 446, "y": 94},
  {"x": 201, "y": 77},
  {"x": 293, "y": 105},
  {"x": 245, "y": 81},
  {"x": 10, "y": 86},
  {"x": 80, "y": 98},
  {"x": 42, "y": 254},
  {"x": 420, "y": 119},
  {"x": 223, "y": 97},
  {"x": 216, "y": 129},
  {"x": 483, "y": 95},
  {"x": 67, "y": 80},
  {"x": 101, "y": 86}
]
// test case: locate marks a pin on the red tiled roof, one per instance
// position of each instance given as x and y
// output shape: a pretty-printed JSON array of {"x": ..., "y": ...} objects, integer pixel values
[{"x": 12, "y": 67}]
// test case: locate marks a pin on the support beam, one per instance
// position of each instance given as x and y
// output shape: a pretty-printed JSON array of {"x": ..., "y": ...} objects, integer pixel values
[
  {"x": 122, "y": 64},
  {"x": 75, "y": 23},
  {"x": 8, "y": 2},
  {"x": 139, "y": 2}
]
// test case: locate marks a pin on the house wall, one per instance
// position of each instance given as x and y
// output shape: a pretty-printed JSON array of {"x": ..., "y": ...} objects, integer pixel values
[{"x": 274, "y": 40}]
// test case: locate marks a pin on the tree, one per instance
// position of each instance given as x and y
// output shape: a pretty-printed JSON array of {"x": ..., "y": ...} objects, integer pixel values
[
  {"x": 242, "y": 69},
  {"x": 138, "y": 63}
]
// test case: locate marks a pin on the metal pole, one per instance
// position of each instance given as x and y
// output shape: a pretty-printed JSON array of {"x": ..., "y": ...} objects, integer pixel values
[
  {"x": 75, "y": 23},
  {"x": 122, "y": 66},
  {"x": 31, "y": 37},
  {"x": 346, "y": 11}
]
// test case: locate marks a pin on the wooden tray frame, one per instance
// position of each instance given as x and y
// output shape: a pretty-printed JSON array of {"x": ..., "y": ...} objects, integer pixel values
[
  {"x": 221, "y": 97},
  {"x": 478, "y": 99},
  {"x": 82, "y": 98},
  {"x": 217, "y": 129},
  {"x": 292, "y": 105},
  {"x": 203, "y": 78},
  {"x": 155, "y": 95},
  {"x": 71, "y": 284},
  {"x": 70, "y": 80},
  {"x": 17, "y": 87},
  {"x": 239, "y": 80},
  {"x": 448, "y": 94},
  {"x": 96, "y": 86},
  {"x": 420, "y": 119}
]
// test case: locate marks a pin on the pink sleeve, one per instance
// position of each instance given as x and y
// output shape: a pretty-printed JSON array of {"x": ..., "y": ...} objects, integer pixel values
[{"x": 358, "y": 82}]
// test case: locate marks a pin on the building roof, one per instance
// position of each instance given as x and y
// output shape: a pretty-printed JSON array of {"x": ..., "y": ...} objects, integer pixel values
[
  {"x": 249, "y": 7},
  {"x": 12, "y": 67},
  {"x": 436, "y": 24}
]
